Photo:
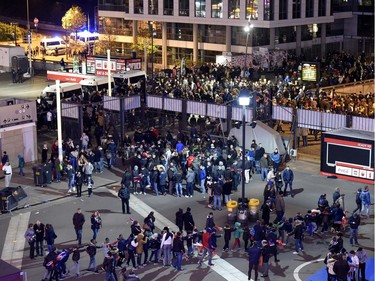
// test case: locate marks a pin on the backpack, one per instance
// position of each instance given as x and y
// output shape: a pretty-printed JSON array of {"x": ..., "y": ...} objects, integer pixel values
[
  {"x": 124, "y": 193},
  {"x": 90, "y": 250}
]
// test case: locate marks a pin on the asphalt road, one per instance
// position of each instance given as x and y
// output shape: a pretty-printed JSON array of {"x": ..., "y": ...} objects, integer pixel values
[{"x": 308, "y": 185}]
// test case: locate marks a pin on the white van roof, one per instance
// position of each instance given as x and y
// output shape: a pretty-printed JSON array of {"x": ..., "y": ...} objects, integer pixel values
[
  {"x": 129, "y": 74},
  {"x": 53, "y": 40},
  {"x": 97, "y": 80},
  {"x": 64, "y": 87}
]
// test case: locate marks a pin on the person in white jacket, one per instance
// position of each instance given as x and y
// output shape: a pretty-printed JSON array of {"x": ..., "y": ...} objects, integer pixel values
[{"x": 166, "y": 246}]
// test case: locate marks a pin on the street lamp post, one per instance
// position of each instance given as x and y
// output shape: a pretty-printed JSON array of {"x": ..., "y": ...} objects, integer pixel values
[
  {"x": 248, "y": 28},
  {"x": 29, "y": 39},
  {"x": 244, "y": 100}
]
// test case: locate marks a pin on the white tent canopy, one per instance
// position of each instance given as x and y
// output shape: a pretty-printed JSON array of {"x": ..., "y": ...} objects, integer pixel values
[{"x": 262, "y": 133}]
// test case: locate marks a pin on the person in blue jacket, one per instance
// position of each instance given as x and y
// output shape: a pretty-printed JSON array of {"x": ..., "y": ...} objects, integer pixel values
[
  {"x": 366, "y": 201},
  {"x": 276, "y": 159},
  {"x": 254, "y": 254}
]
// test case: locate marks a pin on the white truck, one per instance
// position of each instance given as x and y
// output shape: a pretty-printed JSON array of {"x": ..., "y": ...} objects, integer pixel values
[{"x": 6, "y": 55}]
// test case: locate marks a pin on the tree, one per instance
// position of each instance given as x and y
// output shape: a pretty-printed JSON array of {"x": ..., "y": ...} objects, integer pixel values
[
  {"x": 74, "y": 20},
  {"x": 144, "y": 41},
  {"x": 108, "y": 40}
]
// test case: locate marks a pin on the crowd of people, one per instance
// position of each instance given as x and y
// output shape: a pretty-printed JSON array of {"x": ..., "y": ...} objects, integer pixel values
[{"x": 183, "y": 165}]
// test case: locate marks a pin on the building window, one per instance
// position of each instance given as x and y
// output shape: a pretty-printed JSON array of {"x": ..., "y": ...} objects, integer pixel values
[
  {"x": 309, "y": 8},
  {"x": 283, "y": 10},
  {"x": 296, "y": 9},
  {"x": 153, "y": 6},
  {"x": 217, "y": 9},
  {"x": 168, "y": 7},
  {"x": 200, "y": 8},
  {"x": 268, "y": 10},
  {"x": 322, "y": 8},
  {"x": 138, "y": 6},
  {"x": 183, "y": 8},
  {"x": 213, "y": 34},
  {"x": 234, "y": 9},
  {"x": 252, "y": 9}
]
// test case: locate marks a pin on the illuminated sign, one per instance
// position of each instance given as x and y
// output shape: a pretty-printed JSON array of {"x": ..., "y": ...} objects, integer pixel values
[{"x": 310, "y": 71}]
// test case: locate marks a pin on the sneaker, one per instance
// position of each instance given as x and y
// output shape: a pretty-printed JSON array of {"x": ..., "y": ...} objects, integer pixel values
[
  {"x": 69, "y": 191},
  {"x": 74, "y": 189},
  {"x": 191, "y": 196},
  {"x": 135, "y": 193},
  {"x": 144, "y": 193},
  {"x": 302, "y": 250},
  {"x": 186, "y": 196},
  {"x": 295, "y": 253}
]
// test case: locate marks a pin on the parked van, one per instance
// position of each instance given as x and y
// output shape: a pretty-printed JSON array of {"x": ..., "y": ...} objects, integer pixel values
[
  {"x": 67, "y": 90},
  {"x": 95, "y": 84},
  {"x": 85, "y": 37},
  {"x": 53, "y": 46}
]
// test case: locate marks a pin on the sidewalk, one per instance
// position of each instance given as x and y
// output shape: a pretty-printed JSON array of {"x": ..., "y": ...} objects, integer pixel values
[{"x": 39, "y": 195}]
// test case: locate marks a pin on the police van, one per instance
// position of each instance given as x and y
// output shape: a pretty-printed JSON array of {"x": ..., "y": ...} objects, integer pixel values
[{"x": 53, "y": 46}]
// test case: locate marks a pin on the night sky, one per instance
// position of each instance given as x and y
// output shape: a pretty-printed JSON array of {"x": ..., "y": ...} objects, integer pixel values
[{"x": 44, "y": 10}]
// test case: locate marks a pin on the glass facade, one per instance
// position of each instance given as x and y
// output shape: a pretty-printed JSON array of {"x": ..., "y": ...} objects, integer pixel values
[
  {"x": 268, "y": 9},
  {"x": 114, "y": 5},
  {"x": 153, "y": 7},
  {"x": 252, "y": 9},
  {"x": 118, "y": 26},
  {"x": 239, "y": 35},
  {"x": 168, "y": 7},
  {"x": 234, "y": 9},
  {"x": 261, "y": 36},
  {"x": 296, "y": 9},
  {"x": 285, "y": 34},
  {"x": 322, "y": 8},
  {"x": 138, "y": 6},
  {"x": 217, "y": 9},
  {"x": 183, "y": 9},
  {"x": 200, "y": 8},
  {"x": 180, "y": 31},
  {"x": 283, "y": 9},
  {"x": 309, "y": 8},
  {"x": 213, "y": 34}
]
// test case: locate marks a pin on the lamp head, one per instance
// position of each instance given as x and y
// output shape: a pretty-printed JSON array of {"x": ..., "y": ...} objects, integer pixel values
[{"x": 244, "y": 98}]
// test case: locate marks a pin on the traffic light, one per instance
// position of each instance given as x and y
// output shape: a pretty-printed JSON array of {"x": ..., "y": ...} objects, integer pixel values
[{"x": 25, "y": 38}]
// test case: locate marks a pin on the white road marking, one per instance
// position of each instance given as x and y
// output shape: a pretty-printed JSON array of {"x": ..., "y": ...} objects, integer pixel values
[
  {"x": 14, "y": 240},
  {"x": 221, "y": 267},
  {"x": 298, "y": 268}
]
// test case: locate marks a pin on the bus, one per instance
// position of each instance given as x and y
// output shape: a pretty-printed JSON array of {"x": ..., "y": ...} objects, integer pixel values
[
  {"x": 67, "y": 90},
  {"x": 123, "y": 80}
]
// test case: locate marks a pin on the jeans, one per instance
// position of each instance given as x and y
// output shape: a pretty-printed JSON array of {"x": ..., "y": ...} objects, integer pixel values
[
  {"x": 39, "y": 248},
  {"x": 101, "y": 164},
  {"x": 32, "y": 246},
  {"x": 279, "y": 215},
  {"x": 167, "y": 254},
  {"x": 92, "y": 263},
  {"x": 49, "y": 247},
  {"x": 353, "y": 236},
  {"x": 265, "y": 268},
  {"x": 203, "y": 188},
  {"x": 178, "y": 260},
  {"x": 217, "y": 202},
  {"x": 109, "y": 276},
  {"x": 247, "y": 175},
  {"x": 189, "y": 189},
  {"x": 75, "y": 267},
  {"x": 298, "y": 244},
  {"x": 227, "y": 198},
  {"x": 79, "y": 236},
  {"x": 123, "y": 203},
  {"x": 21, "y": 173},
  {"x": 155, "y": 255},
  {"x": 155, "y": 185},
  {"x": 263, "y": 173},
  {"x": 95, "y": 232},
  {"x": 205, "y": 252},
  {"x": 178, "y": 189},
  {"x": 359, "y": 207},
  {"x": 367, "y": 207},
  {"x": 290, "y": 186}
]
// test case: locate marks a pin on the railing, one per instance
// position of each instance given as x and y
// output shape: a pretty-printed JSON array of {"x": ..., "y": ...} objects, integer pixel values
[{"x": 317, "y": 120}]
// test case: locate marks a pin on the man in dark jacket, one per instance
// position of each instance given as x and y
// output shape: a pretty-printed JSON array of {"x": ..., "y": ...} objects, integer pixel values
[
  {"x": 178, "y": 250},
  {"x": 124, "y": 195},
  {"x": 39, "y": 238},
  {"x": 354, "y": 222},
  {"x": 188, "y": 221},
  {"x": 288, "y": 178},
  {"x": 254, "y": 255},
  {"x": 341, "y": 268},
  {"x": 298, "y": 235},
  {"x": 50, "y": 263},
  {"x": 78, "y": 221}
]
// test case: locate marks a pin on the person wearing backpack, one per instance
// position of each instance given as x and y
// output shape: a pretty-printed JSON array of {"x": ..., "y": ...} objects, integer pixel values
[
  {"x": 366, "y": 201},
  {"x": 124, "y": 195},
  {"x": 50, "y": 262},
  {"x": 108, "y": 267},
  {"x": 131, "y": 251}
]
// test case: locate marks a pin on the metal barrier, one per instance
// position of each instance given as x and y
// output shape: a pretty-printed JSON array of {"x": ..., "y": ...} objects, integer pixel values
[
  {"x": 363, "y": 124},
  {"x": 282, "y": 113}
]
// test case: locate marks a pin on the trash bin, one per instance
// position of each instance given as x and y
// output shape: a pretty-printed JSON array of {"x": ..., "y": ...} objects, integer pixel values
[
  {"x": 242, "y": 214},
  {"x": 38, "y": 175},
  {"x": 253, "y": 209},
  {"x": 232, "y": 211}
]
